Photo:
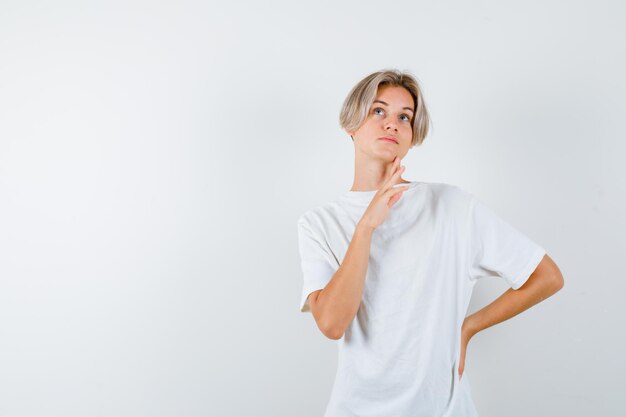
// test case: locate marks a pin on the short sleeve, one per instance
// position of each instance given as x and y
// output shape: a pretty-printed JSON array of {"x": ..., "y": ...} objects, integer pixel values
[
  {"x": 498, "y": 249},
  {"x": 317, "y": 261}
]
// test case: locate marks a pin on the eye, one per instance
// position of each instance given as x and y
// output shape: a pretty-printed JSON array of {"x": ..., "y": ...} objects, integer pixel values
[{"x": 408, "y": 119}]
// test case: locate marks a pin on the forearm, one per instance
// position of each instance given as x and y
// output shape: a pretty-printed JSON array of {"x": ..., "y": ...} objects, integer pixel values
[
  {"x": 339, "y": 301},
  {"x": 543, "y": 283}
]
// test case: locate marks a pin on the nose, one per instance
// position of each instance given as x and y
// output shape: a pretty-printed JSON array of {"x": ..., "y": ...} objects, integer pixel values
[{"x": 391, "y": 125}]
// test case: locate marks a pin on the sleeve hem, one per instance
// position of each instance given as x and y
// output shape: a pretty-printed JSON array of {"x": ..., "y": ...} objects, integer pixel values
[
  {"x": 304, "y": 302},
  {"x": 529, "y": 269}
]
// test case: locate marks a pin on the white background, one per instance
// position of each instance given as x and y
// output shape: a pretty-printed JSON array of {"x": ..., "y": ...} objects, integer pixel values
[{"x": 154, "y": 158}]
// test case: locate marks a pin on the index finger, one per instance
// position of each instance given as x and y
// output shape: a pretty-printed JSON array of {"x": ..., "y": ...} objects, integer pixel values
[
  {"x": 391, "y": 168},
  {"x": 390, "y": 180}
]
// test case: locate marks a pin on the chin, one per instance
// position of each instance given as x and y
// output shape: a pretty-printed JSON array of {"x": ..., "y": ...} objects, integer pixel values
[{"x": 387, "y": 156}]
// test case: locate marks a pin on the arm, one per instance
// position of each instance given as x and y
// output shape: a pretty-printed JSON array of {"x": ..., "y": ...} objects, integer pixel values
[
  {"x": 335, "y": 305},
  {"x": 542, "y": 283}
]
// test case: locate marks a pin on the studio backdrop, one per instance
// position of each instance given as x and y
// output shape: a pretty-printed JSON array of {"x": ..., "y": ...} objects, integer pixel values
[{"x": 155, "y": 157}]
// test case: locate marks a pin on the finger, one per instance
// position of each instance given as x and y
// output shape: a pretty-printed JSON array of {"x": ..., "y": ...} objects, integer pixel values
[
  {"x": 390, "y": 182},
  {"x": 391, "y": 168},
  {"x": 395, "y": 190},
  {"x": 394, "y": 199},
  {"x": 396, "y": 193},
  {"x": 396, "y": 168}
]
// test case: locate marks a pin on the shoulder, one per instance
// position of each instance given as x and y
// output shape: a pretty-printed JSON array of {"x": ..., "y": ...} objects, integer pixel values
[
  {"x": 450, "y": 194},
  {"x": 452, "y": 201},
  {"x": 317, "y": 216}
]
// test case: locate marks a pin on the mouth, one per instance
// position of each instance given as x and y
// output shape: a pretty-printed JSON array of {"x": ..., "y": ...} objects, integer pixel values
[{"x": 389, "y": 139}]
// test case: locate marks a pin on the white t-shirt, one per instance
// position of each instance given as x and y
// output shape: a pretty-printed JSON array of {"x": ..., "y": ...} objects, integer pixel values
[{"x": 399, "y": 356}]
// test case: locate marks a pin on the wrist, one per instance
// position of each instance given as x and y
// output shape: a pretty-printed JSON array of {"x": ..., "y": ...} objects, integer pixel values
[
  {"x": 362, "y": 225},
  {"x": 469, "y": 326}
]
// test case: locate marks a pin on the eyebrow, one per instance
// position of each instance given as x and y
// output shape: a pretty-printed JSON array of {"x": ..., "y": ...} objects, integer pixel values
[{"x": 382, "y": 102}]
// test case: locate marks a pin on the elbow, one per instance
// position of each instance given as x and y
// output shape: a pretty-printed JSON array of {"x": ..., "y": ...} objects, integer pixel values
[
  {"x": 555, "y": 285},
  {"x": 332, "y": 332},
  {"x": 335, "y": 335},
  {"x": 559, "y": 282},
  {"x": 555, "y": 274},
  {"x": 327, "y": 323}
]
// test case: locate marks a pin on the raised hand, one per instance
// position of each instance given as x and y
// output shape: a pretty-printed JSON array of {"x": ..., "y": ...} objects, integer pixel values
[{"x": 385, "y": 198}]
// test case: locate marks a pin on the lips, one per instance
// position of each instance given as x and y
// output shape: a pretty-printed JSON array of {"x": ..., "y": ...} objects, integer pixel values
[{"x": 389, "y": 138}]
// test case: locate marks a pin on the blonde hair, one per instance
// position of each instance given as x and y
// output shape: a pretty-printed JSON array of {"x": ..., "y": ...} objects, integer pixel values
[{"x": 358, "y": 102}]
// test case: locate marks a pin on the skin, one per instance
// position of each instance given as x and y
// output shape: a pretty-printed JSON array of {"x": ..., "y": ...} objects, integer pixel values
[
  {"x": 373, "y": 157},
  {"x": 376, "y": 167}
]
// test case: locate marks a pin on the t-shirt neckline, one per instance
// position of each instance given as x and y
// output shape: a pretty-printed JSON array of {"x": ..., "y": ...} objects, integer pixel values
[{"x": 366, "y": 196}]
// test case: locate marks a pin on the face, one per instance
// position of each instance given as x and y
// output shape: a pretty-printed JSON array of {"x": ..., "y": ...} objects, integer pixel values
[{"x": 390, "y": 116}]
